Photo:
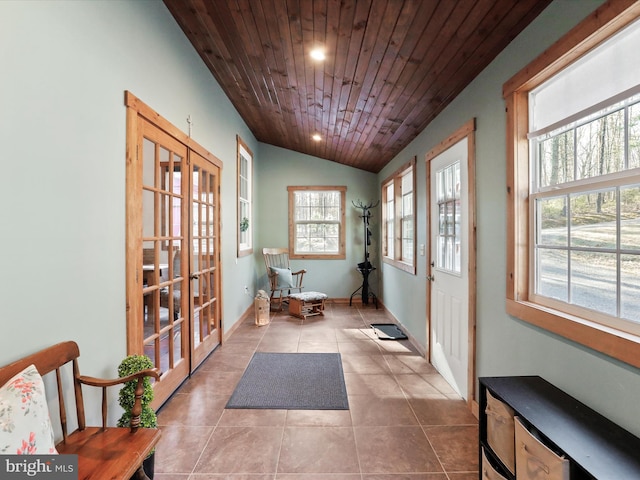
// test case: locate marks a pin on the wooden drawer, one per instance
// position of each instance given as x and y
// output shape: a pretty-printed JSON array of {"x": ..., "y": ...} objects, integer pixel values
[
  {"x": 534, "y": 460},
  {"x": 488, "y": 472},
  {"x": 500, "y": 430}
]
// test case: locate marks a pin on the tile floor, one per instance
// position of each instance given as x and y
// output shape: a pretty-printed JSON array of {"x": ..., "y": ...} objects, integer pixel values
[{"x": 404, "y": 421}]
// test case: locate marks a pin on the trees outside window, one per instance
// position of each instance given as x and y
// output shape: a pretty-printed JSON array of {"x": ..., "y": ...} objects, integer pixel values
[
  {"x": 586, "y": 215},
  {"x": 573, "y": 186}
]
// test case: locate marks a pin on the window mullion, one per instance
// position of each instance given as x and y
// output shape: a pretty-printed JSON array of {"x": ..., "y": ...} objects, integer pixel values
[
  {"x": 618, "y": 253},
  {"x": 397, "y": 189}
]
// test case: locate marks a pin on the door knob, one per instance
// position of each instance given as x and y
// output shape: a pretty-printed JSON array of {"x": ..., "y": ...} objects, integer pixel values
[{"x": 431, "y": 278}]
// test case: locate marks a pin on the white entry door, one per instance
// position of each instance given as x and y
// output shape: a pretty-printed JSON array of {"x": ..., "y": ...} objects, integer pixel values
[{"x": 449, "y": 269}]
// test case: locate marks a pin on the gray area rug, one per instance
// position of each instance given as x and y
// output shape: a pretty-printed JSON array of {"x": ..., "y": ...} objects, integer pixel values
[{"x": 292, "y": 381}]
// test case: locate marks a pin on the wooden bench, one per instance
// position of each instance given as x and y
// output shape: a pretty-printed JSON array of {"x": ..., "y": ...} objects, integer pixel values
[{"x": 103, "y": 452}]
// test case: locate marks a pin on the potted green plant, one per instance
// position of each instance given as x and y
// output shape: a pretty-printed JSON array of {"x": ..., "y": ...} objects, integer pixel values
[
  {"x": 130, "y": 365},
  {"x": 244, "y": 224}
]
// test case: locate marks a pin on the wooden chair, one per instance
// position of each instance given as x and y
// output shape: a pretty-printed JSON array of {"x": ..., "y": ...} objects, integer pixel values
[
  {"x": 278, "y": 268},
  {"x": 103, "y": 452}
]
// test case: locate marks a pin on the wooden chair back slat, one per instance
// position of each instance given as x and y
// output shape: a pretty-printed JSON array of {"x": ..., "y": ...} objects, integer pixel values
[
  {"x": 104, "y": 407},
  {"x": 77, "y": 387},
  {"x": 61, "y": 405},
  {"x": 276, "y": 257}
]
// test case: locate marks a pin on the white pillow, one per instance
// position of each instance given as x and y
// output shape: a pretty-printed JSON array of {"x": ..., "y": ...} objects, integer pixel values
[{"x": 25, "y": 425}]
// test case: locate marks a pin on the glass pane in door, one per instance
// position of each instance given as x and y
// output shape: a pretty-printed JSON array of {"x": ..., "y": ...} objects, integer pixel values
[
  {"x": 163, "y": 238},
  {"x": 448, "y": 240},
  {"x": 204, "y": 284}
]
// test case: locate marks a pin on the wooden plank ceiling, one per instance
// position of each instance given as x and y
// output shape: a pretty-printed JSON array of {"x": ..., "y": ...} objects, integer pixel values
[{"x": 391, "y": 65}]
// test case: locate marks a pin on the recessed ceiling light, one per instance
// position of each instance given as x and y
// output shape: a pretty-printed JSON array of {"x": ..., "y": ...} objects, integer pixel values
[
  {"x": 317, "y": 54},
  {"x": 316, "y": 137}
]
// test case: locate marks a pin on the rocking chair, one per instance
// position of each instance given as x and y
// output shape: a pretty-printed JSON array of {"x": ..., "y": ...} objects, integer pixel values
[{"x": 282, "y": 281}]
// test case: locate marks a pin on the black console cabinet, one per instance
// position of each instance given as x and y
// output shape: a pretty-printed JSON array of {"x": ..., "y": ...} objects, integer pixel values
[{"x": 596, "y": 447}]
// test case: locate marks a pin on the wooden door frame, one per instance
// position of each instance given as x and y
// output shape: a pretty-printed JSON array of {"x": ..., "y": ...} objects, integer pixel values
[
  {"x": 137, "y": 111},
  {"x": 466, "y": 131}
]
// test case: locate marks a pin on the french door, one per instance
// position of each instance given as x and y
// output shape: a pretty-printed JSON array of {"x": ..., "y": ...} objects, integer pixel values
[
  {"x": 164, "y": 310},
  {"x": 205, "y": 258},
  {"x": 173, "y": 248}
]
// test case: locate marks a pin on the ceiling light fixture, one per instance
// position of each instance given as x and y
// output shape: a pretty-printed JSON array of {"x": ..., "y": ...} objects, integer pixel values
[
  {"x": 317, "y": 54},
  {"x": 316, "y": 137}
]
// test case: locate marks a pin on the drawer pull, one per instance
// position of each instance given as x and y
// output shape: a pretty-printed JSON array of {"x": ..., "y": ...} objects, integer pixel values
[
  {"x": 499, "y": 417},
  {"x": 538, "y": 464}
]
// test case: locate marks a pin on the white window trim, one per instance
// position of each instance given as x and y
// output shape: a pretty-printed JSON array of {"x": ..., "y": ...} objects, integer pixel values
[
  {"x": 243, "y": 150},
  {"x": 396, "y": 178}
]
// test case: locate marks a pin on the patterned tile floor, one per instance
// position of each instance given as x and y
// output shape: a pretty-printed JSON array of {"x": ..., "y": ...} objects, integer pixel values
[{"x": 404, "y": 421}]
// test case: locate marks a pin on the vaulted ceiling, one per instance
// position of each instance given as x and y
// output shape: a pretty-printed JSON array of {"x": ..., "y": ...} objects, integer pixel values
[{"x": 391, "y": 66}]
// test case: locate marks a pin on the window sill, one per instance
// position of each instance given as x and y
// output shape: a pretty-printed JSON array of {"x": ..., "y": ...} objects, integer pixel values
[
  {"x": 405, "y": 267},
  {"x": 317, "y": 256},
  {"x": 617, "y": 344}
]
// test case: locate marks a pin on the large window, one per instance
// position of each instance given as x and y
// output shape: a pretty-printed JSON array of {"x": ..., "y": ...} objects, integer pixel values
[
  {"x": 245, "y": 186},
  {"x": 586, "y": 216},
  {"x": 574, "y": 186},
  {"x": 317, "y": 222},
  {"x": 398, "y": 218}
]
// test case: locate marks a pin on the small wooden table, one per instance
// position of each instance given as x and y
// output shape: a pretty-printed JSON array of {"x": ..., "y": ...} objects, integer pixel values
[{"x": 307, "y": 304}]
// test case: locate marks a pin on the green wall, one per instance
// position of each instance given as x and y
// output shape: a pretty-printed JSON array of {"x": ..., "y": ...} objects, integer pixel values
[
  {"x": 506, "y": 345},
  {"x": 279, "y": 168},
  {"x": 65, "y": 67}
]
